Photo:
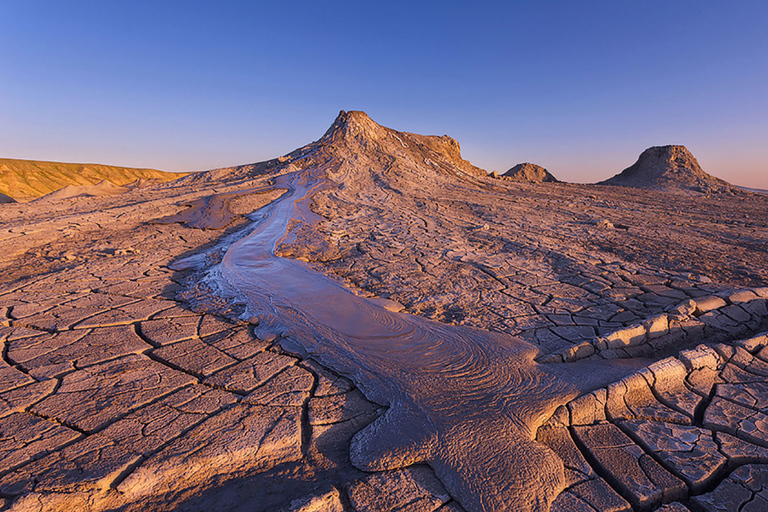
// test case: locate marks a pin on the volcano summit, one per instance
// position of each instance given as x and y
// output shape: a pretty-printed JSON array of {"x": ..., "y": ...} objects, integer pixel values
[
  {"x": 669, "y": 168},
  {"x": 529, "y": 172},
  {"x": 370, "y": 322}
]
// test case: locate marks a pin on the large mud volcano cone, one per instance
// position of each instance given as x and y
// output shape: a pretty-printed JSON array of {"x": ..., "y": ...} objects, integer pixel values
[
  {"x": 530, "y": 173},
  {"x": 359, "y": 153},
  {"x": 670, "y": 169},
  {"x": 354, "y": 135}
]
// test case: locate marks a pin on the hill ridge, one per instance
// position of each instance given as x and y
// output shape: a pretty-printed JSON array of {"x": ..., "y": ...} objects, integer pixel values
[{"x": 25, "y": 180}]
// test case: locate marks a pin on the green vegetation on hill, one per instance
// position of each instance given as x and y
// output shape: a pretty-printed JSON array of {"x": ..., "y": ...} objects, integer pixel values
[{"x": 28, "y": 179}]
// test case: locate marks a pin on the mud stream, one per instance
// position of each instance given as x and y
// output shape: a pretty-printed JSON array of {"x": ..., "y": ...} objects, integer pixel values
[{"x": 465, "y": 401}]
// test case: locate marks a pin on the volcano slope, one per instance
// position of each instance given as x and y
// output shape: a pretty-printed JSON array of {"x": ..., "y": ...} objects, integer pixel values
[
  {"x": 561, "y": 346},
  {"x": 671, "y": 169},
  {"x": 529, "y": 172}
]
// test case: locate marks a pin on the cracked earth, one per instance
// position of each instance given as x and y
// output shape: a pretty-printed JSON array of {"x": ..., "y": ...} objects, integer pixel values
[{"x": 129, "y": 382}]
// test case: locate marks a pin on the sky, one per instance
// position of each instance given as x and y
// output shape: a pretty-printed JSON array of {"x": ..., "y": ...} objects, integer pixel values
[{"x": 581, "y": 88}]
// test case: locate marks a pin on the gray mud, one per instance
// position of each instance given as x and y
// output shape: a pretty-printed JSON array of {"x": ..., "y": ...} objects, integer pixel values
[{"x": 463, "y": 400}]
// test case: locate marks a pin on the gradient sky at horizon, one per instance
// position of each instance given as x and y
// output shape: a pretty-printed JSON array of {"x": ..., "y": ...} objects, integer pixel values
[{"x": 578, "y": 87}]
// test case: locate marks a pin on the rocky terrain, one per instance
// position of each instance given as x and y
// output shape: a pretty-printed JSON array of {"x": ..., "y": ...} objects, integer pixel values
[
  {"x": 671, "y": 169},
  {"x": 528, "y": 172},
  {"x": 597, "y": 348},
  {"x": 24, "y": 180}
]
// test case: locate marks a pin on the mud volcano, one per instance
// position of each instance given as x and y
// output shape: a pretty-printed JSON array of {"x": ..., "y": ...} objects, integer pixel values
[
  {"x": 529, "y": 173},
  {"x": 671, "y": 169},
  {"x": 371, "y": 322}
]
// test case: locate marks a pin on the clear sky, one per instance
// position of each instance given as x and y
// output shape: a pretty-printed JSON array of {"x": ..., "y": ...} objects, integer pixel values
[{"x": 580, "y": 87}]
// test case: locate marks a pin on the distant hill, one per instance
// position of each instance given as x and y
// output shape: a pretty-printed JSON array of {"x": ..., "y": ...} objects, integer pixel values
[
  {"x": 102, "y": 188},
  {"x": 529, "y": 172},
  {"x": 671, "y": 169},
  {"x": 24, "y": 180}
]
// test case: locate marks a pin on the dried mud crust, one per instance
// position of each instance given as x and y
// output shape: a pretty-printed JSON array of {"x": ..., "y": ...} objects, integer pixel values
[
  {"x": 201, "y": 414},
  {"x": 114, "y": 395},
  {"x": 135, "y": 401},
  {"x": 690, "y": 430},
  {"x": 710, "y": 318},
  {"x": 555, "y": 264},
  {"x": 579, "y": 271}
]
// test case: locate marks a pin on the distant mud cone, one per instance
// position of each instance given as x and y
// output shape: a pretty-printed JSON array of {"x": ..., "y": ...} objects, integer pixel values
[
  {"x": 531, "y": 173},
  {"x": 670, "y": 169}
]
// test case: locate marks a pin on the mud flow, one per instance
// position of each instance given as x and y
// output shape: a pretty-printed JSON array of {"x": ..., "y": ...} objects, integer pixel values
[{"x": 466, "y": 401}]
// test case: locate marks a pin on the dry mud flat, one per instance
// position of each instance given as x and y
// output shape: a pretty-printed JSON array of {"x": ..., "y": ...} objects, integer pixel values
[
  {"x": 127, "y": 384},
  {"x": 115, "y": 395}
]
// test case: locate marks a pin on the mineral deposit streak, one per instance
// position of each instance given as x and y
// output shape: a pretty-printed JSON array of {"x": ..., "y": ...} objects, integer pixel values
[{"x": 465, "y": 401}]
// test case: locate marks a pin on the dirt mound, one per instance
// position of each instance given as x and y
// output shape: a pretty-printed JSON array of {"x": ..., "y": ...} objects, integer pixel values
[
  {"x": 6, "y": 199},
  {"x": 670, "y": 169},
  {"x": 102, "y": 188},
  {"x": 530, "y": 173},
  {"x": 140, "y": 183}
]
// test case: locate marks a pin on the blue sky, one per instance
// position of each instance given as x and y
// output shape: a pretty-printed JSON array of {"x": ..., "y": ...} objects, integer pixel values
[{"x": 578, "y": 87}]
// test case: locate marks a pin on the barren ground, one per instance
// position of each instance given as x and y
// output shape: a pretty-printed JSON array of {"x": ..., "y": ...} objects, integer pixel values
[{"x": 129, "y": 382}]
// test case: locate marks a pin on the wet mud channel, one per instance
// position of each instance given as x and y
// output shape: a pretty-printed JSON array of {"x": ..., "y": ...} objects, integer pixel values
[{"x": 463, "y": 400}]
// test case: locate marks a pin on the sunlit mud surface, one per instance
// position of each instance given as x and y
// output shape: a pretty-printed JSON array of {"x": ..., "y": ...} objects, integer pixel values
[
  {"x": 464, "y": 400},
  {"x": 538, "y": 345}
]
